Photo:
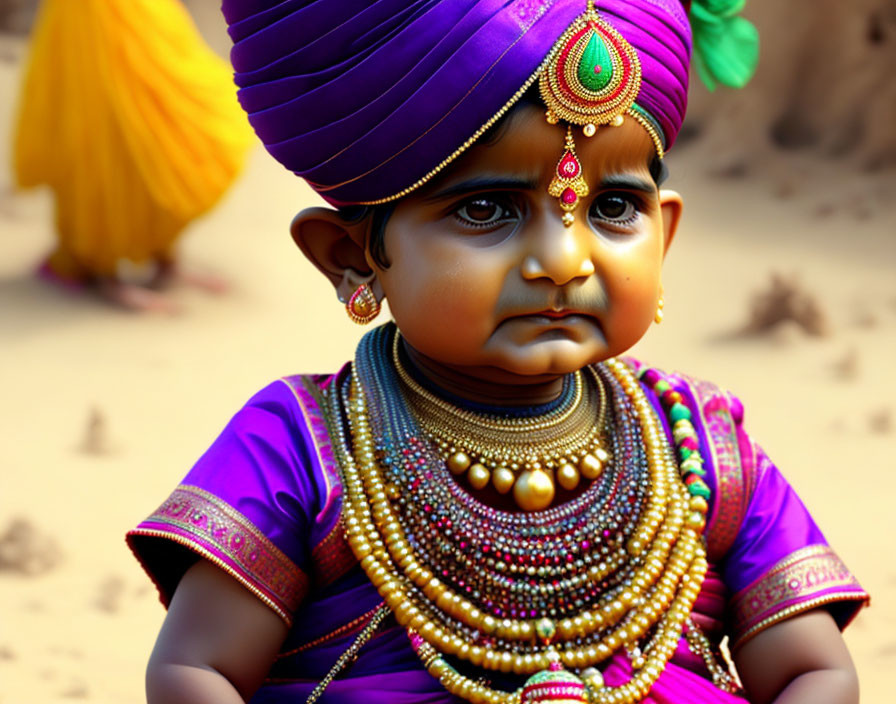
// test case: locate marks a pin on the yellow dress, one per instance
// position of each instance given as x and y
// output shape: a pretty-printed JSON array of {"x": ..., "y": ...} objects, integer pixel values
[{"x": 132, "y": 121}]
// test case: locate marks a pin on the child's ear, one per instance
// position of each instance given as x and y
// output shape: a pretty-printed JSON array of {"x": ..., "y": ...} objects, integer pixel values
[
  {"x": 671, "y": 206},
  {"x": 334, "y": 246}
]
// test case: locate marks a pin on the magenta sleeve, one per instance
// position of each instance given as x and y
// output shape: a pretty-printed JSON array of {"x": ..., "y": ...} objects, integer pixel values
[
  {"x": 775, "y": 561},
  {"x": 781, "y": 565},
  {"x": 249, "y": 505}
]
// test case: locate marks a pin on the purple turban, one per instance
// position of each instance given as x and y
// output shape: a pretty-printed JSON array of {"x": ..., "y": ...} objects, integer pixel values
[{"x": 366, "y": 100}]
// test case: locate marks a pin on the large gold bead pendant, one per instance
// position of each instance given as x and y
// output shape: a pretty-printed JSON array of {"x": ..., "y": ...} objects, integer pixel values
[
  {"x": 534, "y": 490},
  {"x": 478, "y": 476},
  {"x": 503, "y": 479},
  {"x": 458, "y": 463},
  {"x": 568, "y": 476},
  {"x": 590, "y": 466}
]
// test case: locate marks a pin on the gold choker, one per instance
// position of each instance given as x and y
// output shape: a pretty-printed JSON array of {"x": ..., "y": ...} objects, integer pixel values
[{"x": 524, "y": 454}]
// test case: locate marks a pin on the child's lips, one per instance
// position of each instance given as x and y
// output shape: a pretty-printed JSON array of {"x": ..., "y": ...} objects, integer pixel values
[
  {"x": 568, "y": 321},
  {"x": 557, "y": 314},
  {"x": 563, "y": 315}
]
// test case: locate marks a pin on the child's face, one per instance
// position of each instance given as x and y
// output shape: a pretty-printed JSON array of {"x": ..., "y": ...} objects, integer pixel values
[{"x": 484, "y": 277}]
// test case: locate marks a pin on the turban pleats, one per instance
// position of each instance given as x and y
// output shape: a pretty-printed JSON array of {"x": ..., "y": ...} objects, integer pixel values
[{"x": 365, "y": 100}]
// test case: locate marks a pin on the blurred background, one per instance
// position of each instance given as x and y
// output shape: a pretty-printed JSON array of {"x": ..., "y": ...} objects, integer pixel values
[{"x": 780, "y": 287}]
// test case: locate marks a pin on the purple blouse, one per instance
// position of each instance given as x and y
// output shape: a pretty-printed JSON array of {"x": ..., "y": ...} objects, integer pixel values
[{"x": 264, "y": 504}]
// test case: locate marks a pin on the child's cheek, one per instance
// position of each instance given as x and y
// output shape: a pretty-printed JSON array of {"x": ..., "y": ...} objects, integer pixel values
[{"x": 632, "y": 309}]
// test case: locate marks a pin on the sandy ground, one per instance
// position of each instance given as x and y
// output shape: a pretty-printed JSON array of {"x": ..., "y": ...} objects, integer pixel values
[{"x": 152, "y": 391}]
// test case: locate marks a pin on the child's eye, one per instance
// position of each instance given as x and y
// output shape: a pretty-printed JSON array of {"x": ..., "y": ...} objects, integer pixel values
[
  {"x": 615, "y": 208},
  {"x": 482, "y": 212}
]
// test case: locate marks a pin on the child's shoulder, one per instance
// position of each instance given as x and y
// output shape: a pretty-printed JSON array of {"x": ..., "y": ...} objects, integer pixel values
[
  {"x": 699, "y": 394},
  {"x": 732, "y": 461},
  {"x": 295, "y": 393}
]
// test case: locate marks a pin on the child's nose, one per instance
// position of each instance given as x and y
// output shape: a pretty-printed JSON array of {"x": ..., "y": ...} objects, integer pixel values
[{"x": 559, "y": 253}]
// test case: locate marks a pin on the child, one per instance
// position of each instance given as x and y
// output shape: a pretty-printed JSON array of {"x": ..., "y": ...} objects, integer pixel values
[
  {"x": 488, "y": 504},
  {"x": 131, "y": 120}
]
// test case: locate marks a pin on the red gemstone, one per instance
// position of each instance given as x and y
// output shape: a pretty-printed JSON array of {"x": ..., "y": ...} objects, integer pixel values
[
  {"x": 598, "y": 68},
  {"x": 569, "y": 196},
  {"x": 568, "y": 166}
]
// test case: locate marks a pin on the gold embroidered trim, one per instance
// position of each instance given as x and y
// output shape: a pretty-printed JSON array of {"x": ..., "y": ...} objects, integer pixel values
[
  {"x": 469, "y": 143},
  {"x": 806, "y": 577},
  {"x": 206, "y": 525},
  {"x": 352, "y": 626},
  {"x": 332, "y": 557},
  {"x": 218, "y": 562},
  {"x": 731, "y": 497},
  {"x": 650, "y": 129},
  {"x": 796, "y": 609},
  {"x": 320, "y": 441}
]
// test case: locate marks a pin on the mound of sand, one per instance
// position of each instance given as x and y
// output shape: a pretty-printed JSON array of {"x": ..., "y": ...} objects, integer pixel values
[
  {"x": 26, "y": 550},
  {"x": 786, "y": 300}
]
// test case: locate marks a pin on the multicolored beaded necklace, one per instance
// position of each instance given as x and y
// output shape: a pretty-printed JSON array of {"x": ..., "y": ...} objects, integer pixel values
[{"x": 615, "y": 570}]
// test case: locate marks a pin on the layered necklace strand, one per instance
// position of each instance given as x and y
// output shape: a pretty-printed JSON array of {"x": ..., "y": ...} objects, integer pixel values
[
  {"x": 616, "y": 569},
  {"x": 519, "y": 454}
]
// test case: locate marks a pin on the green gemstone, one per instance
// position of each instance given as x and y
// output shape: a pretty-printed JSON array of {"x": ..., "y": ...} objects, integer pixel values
[
  {"x": 679, "y": 412},
  {"x": 685, "y": 452},
  {"x": 661, "y": 386},
  {"x": 595, "y": 66},
  {"x": 698, "y": 488}
]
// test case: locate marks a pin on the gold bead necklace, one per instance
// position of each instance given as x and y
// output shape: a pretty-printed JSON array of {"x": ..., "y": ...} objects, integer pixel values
[
  {"x": 661, "y": 571},
  {"x": 525, "y": 455}
]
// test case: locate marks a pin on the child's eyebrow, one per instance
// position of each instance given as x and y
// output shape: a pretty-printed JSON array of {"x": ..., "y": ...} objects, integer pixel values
[
  {"x": 483, "y": 183},
  {"x": 627, "y": 182}
]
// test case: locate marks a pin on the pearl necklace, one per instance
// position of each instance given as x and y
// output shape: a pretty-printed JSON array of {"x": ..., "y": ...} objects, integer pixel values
[{"x": 630, "y": 590}]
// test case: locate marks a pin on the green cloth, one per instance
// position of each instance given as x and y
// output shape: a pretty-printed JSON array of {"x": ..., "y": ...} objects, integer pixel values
[{"x": 726, "y": 46}]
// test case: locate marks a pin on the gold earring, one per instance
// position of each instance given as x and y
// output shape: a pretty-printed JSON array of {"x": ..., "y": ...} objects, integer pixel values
[
  {"x": 362, "y": 307},
  {"x": 658, "y": 316}
]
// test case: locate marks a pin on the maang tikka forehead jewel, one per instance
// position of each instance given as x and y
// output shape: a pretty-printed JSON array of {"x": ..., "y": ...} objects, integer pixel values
[
  {"x": 568, "y": 183},
  {"x": 591, "y": 79},
  {"x": 593, "y": 76}
]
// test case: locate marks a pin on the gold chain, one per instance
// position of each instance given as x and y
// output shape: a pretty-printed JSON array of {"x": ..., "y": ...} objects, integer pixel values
[
  {"x": 700, "y": 646},
  {"x": 351, "y": 653}
]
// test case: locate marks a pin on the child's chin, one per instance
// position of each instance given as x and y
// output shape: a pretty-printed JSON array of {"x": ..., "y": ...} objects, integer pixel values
[{"x": 552, "y": 357}]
